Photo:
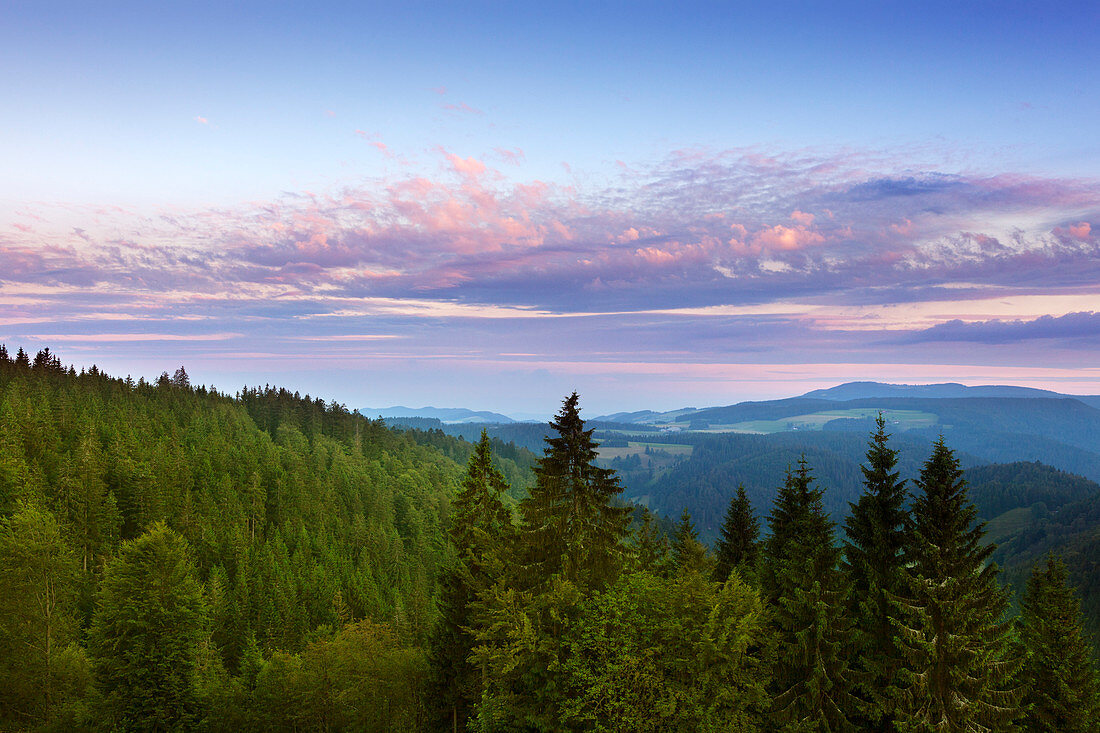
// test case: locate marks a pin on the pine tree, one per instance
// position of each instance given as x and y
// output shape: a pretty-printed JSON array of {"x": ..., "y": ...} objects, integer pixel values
[
  {"x": 953, "y": 636},
  {"x": 651, "y": 548},
  {"x": 811, "y": 685},
  {"x": 37, "y": 615},
  {"x": 1060, "y": 682},
  {"x": 665, "y": 654},
  {"x": 570, "y": 544},
  {"x": 688, "y": 554},
  {"x": 875, "y": 564},
  {"x": 180, "y": 379},
  {"x": 147, "y": 634},
  {"x": 480, "y": 525},
  {"x": 570, "y": 524},
  {"x": 88, "y": 506},
  {"x": 737, "y": 540}
]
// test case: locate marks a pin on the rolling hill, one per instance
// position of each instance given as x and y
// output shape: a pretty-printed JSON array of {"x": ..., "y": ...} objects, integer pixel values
[{"x": 444, "y": 414}]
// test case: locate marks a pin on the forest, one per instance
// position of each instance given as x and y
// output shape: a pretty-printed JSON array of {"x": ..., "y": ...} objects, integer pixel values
[{"x": 176, "y": 558}]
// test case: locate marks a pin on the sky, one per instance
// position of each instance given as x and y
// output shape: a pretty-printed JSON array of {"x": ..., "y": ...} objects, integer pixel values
[{"x": 490, "y": 205}]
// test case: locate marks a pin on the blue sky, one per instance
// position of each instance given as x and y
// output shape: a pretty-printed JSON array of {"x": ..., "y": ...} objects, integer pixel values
[{"x": 491, "y": 204}]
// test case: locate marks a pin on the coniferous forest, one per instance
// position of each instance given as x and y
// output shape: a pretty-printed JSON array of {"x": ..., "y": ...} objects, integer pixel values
[{"x": 177, "y": 558}]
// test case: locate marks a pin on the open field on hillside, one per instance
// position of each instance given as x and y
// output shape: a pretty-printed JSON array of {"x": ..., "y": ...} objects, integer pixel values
[
  {"x": 638, "y": 448},
  {"x": 897, "y": 419}
]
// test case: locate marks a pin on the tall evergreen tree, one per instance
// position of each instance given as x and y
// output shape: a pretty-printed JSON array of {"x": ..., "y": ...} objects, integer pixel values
[
  {"x": 811, "y": 685},
  {"x": 688, "y": 554},
  {"x": 874, "y": 560},
  {"x": 480, "y": 525},
  {"x": 737, "y": 539},
  {"x": 954, "y": 636},
  {"x": 147, "y": 634},
  {"x": 1060, "y": 682},
  {"x": 651, "y": 547},
  {"x": 37, "y": 616},
  {"x": 570, "y": 524},
  {"x": 570, "y": 544}
]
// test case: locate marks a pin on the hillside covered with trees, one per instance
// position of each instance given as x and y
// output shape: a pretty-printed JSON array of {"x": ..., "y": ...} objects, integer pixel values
[{"x": 175, "y": 558}]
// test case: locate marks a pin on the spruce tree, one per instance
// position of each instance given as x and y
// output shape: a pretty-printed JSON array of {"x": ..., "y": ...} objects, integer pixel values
[
  {"x": 688, "y": 554},
  {"x": 37, "y": 617},
  {"x": 1061, "y": 688},
  {"x": 874, "y": 561},
  {"x": 480, "y": 524},
  {"x": 570, "y": 524},
  {"x": 811, "y": 686},
  {"x": 953, "y": 635},
  {"x": 651, "y": 551},
  {"x": 148, "y": 633},
  {"x": 737, "y": 538},
  {"x": 570, "y": 544}
]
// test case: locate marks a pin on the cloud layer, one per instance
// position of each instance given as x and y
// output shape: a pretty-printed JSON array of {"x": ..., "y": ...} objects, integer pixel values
[
  {"x": 695, "y": 230},
  {"x": 710, "y": 257}
]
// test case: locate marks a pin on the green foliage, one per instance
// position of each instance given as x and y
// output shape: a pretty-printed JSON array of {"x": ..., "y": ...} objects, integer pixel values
[
  {"x": 811, "y": 683},
  {"x": 650, "y": 549},
  {"x": 1002, "y": 487},
  {"x": 147, "y": 634},
  {"x": 688, "y": 554},
  {"x": 362, "y": 679},
  {"x": 480, "y": 526},
  {"x": 41, "y": 667},
  {"x": 875, "y": 537},
  {"x": 1060, "y": 683},
  {"x": 570, "y": 524},
  {"x": 954, "y": 637},
  {"x": 658, "y": 654},
  {"x": 738, "y": 538}
]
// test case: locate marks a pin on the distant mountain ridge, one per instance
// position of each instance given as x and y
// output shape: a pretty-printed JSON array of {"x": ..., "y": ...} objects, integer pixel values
[
  {"x": 445, "y": 414},
  {"x": 822, "y": 398},
  {"x": 945, "y": 390}
]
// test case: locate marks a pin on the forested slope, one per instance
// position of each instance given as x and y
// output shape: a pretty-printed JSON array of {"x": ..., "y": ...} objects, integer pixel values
[
  {"x": 705, "y": 482},
  {"x": 298, "y": 515}
]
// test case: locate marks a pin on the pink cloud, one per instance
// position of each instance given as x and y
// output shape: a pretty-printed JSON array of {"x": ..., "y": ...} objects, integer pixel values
[
  {"x": 515, "y": 157},
  {"x": 202, "y": 120},
  {"x": 726, "y": 227},
  {"x": 655, "y": 255},
  {"x": 463, "y": 108},
  {"x": 468, "y": 167},
  {"x": 1082, "y": 230},
  {"x": 784, "y": 238}
]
